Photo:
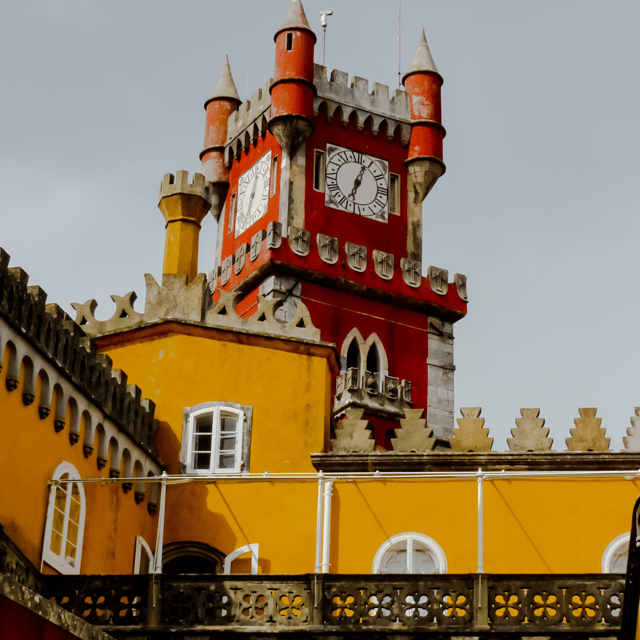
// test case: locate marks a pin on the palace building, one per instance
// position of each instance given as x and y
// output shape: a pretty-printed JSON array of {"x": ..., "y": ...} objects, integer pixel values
[{"x": 273, "y": 447}]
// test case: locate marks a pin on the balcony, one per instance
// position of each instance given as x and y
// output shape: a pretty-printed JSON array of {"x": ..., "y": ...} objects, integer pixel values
[{"x": 585, "y": 605}]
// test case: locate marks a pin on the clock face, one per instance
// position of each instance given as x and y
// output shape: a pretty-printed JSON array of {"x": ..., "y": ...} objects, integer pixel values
[
  {"x": 357, "y": 183},
  {"x": 253, "y": 194}
]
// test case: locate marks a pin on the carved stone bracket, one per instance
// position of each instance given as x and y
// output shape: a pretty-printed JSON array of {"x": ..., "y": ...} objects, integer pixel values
[
  {"x": 299, "y": 241},
  {"x": 327, "y": 248},
  {"x": 274, "y": 235},
  {"x": 356, "y": 256},
  {"x": 240, "y": 257},
  {"x": 383, "y": 264},
  {"x": 438, "y": 280},
  {"x": 411, "y": 272}
]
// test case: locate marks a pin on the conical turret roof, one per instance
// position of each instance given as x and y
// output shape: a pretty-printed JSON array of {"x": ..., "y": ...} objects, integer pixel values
[
  {"x": 422, "y": 61},
  {"x": 296, "y": 19},
  {"x": 226, "y": 87}
]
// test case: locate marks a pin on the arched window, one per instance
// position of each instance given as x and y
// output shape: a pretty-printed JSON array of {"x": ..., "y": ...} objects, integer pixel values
[
  {"x": 353, "y": 355},
  {"x": 615, "y": 556},
  {"x": 410, "y": 553},
  {"x": 143, "y": 561},
  {"x": 191, "y": 557},
  {"x": 64, "y": 528}
]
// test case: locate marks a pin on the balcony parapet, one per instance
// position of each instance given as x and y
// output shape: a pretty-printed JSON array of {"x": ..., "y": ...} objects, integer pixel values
[{"x": 339, "y": 605}]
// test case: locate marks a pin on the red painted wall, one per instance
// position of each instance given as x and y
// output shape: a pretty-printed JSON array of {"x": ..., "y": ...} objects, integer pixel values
[{"x": 18, "y": 623}]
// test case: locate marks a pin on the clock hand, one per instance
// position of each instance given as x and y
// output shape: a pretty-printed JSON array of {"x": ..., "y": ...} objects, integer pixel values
[{"x": 357, "y": 183}]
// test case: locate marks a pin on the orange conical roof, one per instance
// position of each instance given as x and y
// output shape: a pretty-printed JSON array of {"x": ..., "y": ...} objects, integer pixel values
[
  {"x": 422, "y": 61},
  {"x": 296, "y": 19}
]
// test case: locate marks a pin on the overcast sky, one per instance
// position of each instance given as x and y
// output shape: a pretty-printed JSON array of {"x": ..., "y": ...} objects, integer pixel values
[{"x": 539, "y": 206}]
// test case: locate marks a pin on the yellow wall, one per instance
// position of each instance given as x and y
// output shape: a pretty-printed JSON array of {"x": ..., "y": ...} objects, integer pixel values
[
  {"x": 530, "y": 526},
  {"x": 31, "y": 450}
]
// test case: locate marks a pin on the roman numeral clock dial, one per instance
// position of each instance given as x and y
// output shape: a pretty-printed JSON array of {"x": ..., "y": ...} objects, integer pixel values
[
  {"x": 357, "y": 183},
  {"x": 253, "y": 194}
]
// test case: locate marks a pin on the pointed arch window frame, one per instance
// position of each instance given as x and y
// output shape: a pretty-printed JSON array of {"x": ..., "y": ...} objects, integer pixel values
[{"x": 364, "y": 347}]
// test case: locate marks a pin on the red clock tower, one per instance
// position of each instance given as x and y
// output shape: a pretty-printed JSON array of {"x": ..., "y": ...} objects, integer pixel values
[{"x": 321, "y": 184}]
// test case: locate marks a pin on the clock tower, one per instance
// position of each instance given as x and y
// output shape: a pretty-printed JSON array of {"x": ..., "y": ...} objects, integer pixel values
[{"x": 322, "y": 183}]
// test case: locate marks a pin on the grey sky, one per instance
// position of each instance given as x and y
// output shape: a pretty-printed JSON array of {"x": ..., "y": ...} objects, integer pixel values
[{"x": 539, "y": 205}]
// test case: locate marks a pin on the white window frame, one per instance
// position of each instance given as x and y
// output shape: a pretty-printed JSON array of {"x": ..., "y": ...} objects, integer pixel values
[
  {"x": 216, "y": 409},
  {"x": 66, "y": 566},
  {"x": 613, "y": 550},
  {"x": 409, "y": 538},
  {"x": 143, "y": 547}
]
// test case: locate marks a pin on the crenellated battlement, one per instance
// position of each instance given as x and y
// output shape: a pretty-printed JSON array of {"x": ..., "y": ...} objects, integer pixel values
[
  {"x": 249, "y": 111},
  {"x": 354, "y": 97},
  {"x": 172, "y": 185},
  {"x": 56, "y": 340}
]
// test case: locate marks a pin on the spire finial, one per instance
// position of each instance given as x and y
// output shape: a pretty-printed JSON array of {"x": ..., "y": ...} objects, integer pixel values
[
  {"x": 296, "y": 19},
  {"x": 226, "y": 87},
  {"x": 422, "y": 61}
]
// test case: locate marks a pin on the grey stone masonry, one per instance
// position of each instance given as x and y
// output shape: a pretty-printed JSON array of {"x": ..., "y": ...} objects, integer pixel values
[
  {"x": 249, "y": 111},
  {"x": 355, "y": 97},
  {"x": 440, "y": 369}
]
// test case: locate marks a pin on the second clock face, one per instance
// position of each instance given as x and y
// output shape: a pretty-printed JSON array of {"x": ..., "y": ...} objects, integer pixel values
[
  {"x": 357, "y": 183},
  {"x": 253, "y": 194}
]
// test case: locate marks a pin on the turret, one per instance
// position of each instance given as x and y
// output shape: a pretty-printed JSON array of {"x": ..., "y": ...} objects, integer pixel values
[
  {"x": 424, "y": 163},
  {"x": 293, "y": 90},
  {"x": 223, "y": 102},
  {"x": 184, "y": 205}
]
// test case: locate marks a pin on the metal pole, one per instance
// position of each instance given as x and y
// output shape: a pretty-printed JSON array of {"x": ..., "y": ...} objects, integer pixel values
[
  {"x": 160, "y": 535},
  {"x": 326, "y": 537},
  {"x": 480, "y": 523},
  {"x": 400, "y": 43},
  {"x": 319, "y": 524}
]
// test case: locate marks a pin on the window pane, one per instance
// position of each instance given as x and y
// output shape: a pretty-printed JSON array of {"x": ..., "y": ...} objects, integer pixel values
[
  {"x": 423, "y": 561},
  {"x": 56, "y": 543},
  {"x": 228, "y": 443},
  {"x": 227, "y": 461},
  {"x": 228, "y": 422},
  {"x": 204, "y": 423},
  {"x": 203, "y": 443},
  {"x": 394, "y": 562},
  {"x": 202, "y": 461}
]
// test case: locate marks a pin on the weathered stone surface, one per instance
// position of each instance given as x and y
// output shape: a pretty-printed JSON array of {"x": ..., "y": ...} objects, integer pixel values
[
  {"x": 352, "y": 435},
  {"x": 588, "y": 435},
  {"x": 383, "y": 264},
  {"x": 124, "y": 315},
  {"x": 414, "y": 435},
  {"x": 356, "y": 256},
  {"x": 460, "y": 281},
  {"x": 440, "y": 368},
  {"x": 438, "y": 280},
  {"x": 299, "y": 241},
  {"x": 411, "y": 272},
  {"x": 632, "y": 439},
  {"x": 327, "y": 248},
  {"x": 175, "y": 299},
  {"x": 530, "y": 434},
  {"x": 471, "y": 434}
]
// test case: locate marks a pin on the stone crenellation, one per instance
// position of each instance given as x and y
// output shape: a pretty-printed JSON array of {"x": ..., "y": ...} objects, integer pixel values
[
  {"x": 248, "y": 112},
  {"x": 355, "y": 99},
  {"x": 64, "y": 342},
  {"x": 472, "y": 436}
]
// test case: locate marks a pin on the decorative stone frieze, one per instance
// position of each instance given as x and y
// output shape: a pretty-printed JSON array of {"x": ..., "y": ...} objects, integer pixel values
[
  {"x": 438, "y": 280},
  {"x": 327, "y": 248},
  {"x": 588, "y": 434},
  {"x": 256, "y": 244},
  {"x": 411, "y": 272},
  {"x": 356, "y": 256},
  {"x": 471, "y": 434},
  {"x": 299, "y": 241},
  {"x": 383, "y": 264},
  {"x": 414, "y": 435},
  {"x": 530, "y": 433},
  {"x": 460, "y": 281},
  {"x": 240, "y": 257},
  {"x": 632, "y": 439},
  {"x": 352, "y": 434},
  {"x": 123, "y": 316},
  {"x": 274, "y": 235}
]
